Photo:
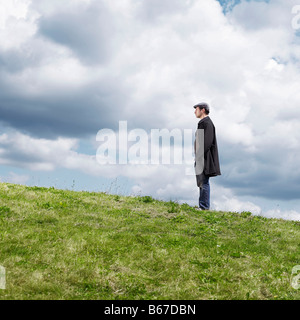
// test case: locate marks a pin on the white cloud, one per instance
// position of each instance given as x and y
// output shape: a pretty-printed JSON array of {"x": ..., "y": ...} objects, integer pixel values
[
  {"x": 279, "y": 214},
  {"x": 224, "y": 199},
  {"x": 235, "y": 205},
  {"x": 17, "y": 23},
  {"x": 13, "y": 177},
  {"x": 33, "y": 153},
  {"x": 255, "y": 15}
]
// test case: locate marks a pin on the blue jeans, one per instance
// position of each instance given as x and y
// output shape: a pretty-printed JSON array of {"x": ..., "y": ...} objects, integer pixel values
[{"x": 204, "y": 198}]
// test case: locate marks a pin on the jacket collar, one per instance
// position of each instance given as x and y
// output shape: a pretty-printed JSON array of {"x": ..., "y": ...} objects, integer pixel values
[{"x": 204, "y": 119}]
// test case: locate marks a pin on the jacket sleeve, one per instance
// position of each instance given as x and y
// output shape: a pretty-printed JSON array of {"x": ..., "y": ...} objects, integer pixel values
[{"x": 208, "y": 136}]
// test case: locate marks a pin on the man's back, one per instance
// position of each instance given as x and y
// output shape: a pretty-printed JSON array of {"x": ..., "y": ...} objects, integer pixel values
[{"x": 211, "y": 155}]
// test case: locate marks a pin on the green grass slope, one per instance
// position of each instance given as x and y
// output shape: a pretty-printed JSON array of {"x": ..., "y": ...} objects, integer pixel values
[{"x": 58, "y": 244}]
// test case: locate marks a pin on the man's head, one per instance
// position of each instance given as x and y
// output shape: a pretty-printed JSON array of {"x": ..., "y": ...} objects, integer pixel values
[{"x": 201, "y": 110}]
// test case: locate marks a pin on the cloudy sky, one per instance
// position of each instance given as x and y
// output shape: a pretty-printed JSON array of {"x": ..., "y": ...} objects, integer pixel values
[{"x": 71, "y": 68}]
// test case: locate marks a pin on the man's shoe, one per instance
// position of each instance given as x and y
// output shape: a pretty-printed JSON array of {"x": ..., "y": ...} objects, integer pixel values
[{"x": 202, "y": 209}]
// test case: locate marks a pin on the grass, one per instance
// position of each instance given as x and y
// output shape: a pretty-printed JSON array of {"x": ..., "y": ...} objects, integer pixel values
[{"x": 59, "y": 244}]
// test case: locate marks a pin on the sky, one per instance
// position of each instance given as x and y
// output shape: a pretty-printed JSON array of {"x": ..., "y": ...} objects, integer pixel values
[{"x": 69, "y": 69}]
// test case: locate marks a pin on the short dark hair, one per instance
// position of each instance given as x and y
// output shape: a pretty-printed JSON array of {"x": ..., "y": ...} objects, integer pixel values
[{"x": 206, "y": 110}]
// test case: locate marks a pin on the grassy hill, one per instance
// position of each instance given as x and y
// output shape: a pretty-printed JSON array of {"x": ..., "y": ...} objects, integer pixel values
[{"x": 58, "y": 244}]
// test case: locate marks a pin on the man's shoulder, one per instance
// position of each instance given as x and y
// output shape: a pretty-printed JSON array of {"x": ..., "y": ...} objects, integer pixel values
[{"x": 203, "y": 123}]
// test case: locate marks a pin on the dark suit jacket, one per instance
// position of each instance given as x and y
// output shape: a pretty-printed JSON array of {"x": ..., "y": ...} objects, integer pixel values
[{"x": 211, "y": 154}]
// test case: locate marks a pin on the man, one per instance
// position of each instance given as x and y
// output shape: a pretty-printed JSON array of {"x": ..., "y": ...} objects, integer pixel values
[{"x": 206, "y": 154}]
